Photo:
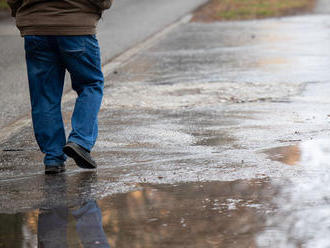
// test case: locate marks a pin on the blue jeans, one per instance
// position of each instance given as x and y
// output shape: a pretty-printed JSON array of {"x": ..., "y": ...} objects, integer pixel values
[
  {"x": 47, "y": 58},
  {"x": 53, "y": 226}
]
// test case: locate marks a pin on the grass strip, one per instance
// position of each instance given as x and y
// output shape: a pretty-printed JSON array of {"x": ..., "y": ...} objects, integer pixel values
[
  {"x": 219, "y": 10},
  {"x": 3, "y": 5}
]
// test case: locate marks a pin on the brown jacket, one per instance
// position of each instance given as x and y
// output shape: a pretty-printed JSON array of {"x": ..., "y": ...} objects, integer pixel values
[{"x": 57, "y": 17}]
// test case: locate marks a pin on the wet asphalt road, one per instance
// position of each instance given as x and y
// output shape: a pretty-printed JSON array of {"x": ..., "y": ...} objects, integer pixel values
[
  {"x": 126, "y": 24},
  {"x": 221, "y": 141}
]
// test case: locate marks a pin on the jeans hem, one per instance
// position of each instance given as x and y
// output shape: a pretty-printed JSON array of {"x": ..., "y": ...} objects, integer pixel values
[
  {"x": 54, "y": 164},
  {"x": 81, "y": 143}
]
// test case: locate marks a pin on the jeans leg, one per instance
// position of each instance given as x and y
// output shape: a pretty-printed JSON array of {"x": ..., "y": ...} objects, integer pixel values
[
  {"x": 89, "y": 226},
  {"x": 82, "y": 59},
  {"x": 46, "y": 80},
  {"x": 52, "y": 228}
]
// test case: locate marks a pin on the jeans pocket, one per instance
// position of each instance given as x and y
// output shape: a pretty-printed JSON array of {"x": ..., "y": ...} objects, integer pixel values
[
  {"x": 34, "y": 42},
  {"x": 92, "y": 46},
  {"x": 72, "y": 44}
]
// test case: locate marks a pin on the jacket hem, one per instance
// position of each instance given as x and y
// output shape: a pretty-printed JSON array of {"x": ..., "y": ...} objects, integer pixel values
[{"x": 56, "y": 30}]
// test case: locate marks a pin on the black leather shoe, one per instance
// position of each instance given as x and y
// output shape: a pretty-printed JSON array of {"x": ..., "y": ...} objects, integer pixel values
[
  {"x": 54, "y": 169},
  {"x": 81, "y": 156}
]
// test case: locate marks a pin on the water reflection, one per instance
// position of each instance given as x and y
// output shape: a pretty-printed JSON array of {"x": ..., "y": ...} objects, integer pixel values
[
  {"x": 303, "y": 216},
  {"x": 314, "y": 154},
  {"x": 53, "y": 226},
  {"x": 68, "y": 216},
  {"x": 289, "y": 155},
  {"x": 82, "y": 212},
  {"x": 209, "y": 214},
  {"x": 202, "y": 214}
]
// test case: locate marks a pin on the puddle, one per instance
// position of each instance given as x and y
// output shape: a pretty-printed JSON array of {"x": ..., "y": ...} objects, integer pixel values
[
  {"x": 210, "y": 214},
  {"x": 312, "y": 153},
  {"x": 289, "y": 155},
  {"x": 303, "y": 216}
]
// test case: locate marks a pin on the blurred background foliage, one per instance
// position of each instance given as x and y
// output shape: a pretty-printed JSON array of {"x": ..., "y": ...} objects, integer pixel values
[{"x": 3, "y": 4}]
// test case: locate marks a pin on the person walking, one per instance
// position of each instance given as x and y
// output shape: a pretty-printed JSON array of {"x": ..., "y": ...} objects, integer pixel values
[{"x": 59, "y": 35}]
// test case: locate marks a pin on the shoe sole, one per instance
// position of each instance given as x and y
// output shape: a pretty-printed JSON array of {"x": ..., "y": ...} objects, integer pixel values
[
  {"x": 50, "y": 171},
  {"x": 80, "y": 160}
]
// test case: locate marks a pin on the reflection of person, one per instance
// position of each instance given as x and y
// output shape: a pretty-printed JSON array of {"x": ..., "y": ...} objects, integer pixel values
[
  {"x": 60, "y": 204},
  {"x": 59, "y": 36},
  {"x": 52, "y": 226}
]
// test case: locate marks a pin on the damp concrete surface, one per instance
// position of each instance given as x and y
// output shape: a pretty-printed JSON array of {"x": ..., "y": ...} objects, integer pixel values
[{"x": 215, "y": 136}]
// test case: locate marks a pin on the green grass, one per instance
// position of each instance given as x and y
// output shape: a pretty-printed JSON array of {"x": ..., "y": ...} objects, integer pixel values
[
  {"x": 3, "y": 5},
  {"x": 250, "y": 9}
]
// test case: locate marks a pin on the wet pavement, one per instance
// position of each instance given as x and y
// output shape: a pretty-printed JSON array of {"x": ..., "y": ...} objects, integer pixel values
[
  {"x": 216, "y": 136},
  {"x": 322, "y": 7}
]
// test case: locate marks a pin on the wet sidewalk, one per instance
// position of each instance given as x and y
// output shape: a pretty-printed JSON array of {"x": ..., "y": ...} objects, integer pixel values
[{"x": 207, "y": 128}]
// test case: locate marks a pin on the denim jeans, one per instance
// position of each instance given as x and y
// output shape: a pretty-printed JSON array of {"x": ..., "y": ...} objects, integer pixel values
[
  {"x": 53, "y": 225},
  {"x": 47, "y": 59}
]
